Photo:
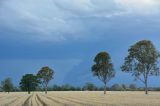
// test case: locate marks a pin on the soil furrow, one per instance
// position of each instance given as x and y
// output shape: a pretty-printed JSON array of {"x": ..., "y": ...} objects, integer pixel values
[
  {"x": 12, "y": 101},
  {"x": 26, "y": 103},
  {"x": 41, "y": 101}
]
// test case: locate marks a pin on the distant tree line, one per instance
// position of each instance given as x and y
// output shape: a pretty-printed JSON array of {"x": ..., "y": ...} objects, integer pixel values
[
  {"x": 8, "y": 87},
  {"x": 141, "y": 62}
]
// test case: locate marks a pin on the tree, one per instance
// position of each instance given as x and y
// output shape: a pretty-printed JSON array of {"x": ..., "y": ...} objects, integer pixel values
[
  {"x": 29, "y": 82},
  {"x": 7, "y": 85},
  {"x": 103, "y": 68},
  {"x": 133, "y": 86},
  {"x": 89, "y": 86},
  {"x": 142, "y": 61},
  {"x": 67, "y": 87},
  {"x": 117, "y": 87},
  {"x": 45, "y": 75},
  {"x": 56, "y": 88},
  {"x": 124, "y": 86}
]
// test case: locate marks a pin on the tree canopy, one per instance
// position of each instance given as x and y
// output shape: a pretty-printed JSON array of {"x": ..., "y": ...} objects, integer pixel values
[
  {"x": 45, "y": 74},
  {"x": 29, "y": 82},
  {"x": 103, "y": 68},
  {"x": 7, "y": 85},
  {"x": 142, "y": 61}
]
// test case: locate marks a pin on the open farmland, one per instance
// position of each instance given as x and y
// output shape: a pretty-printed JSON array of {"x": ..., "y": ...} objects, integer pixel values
[{"x": 83, "y": 98}]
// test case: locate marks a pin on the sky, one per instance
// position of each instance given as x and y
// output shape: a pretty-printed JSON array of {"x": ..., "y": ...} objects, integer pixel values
[{"x": 66, "y": 35}]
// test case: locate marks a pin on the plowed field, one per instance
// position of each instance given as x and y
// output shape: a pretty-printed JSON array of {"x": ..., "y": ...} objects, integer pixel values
[{"x": 83, "y": 98}]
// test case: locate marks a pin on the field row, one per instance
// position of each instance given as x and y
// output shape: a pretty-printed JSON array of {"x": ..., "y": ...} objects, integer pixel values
[{"x": 80, "y": 99}]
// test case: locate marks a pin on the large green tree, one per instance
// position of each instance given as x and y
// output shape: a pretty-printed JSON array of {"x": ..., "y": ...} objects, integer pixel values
[
  {"x": 7, "y": 85},
  {"x": 103, "y": 68},
  {"x": 29, "y": 82},
  {"x": 45, "y": 74},
  {"x": 141, "y": 61}
]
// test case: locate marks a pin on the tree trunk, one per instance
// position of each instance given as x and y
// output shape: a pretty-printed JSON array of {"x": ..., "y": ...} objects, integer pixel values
[
  {"x": 105, "y": 88},
  {"x": 146, "y": 86},
  {"x": 28, "y": 89},
  {"x": 28, "y": 92},
  {"x": 46, "y": 89}
]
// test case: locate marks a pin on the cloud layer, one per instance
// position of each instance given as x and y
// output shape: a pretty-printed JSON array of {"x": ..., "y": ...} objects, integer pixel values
[{"x": 59, "y": 20}]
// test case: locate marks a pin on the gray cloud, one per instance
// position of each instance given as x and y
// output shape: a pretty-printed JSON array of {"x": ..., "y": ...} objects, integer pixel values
[{"x": 59, "y": 20}]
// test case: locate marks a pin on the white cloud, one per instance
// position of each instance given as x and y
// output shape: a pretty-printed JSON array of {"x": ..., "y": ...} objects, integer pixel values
[
  {"x": 140, "y": 6},
  {"x": 75, "y": 6},
  {"x": 37, "y": 16},
  {"x": 58, "y": 20}
]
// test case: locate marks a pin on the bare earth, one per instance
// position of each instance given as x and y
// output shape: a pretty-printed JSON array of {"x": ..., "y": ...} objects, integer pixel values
[{"x": 84, "y": 98}]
